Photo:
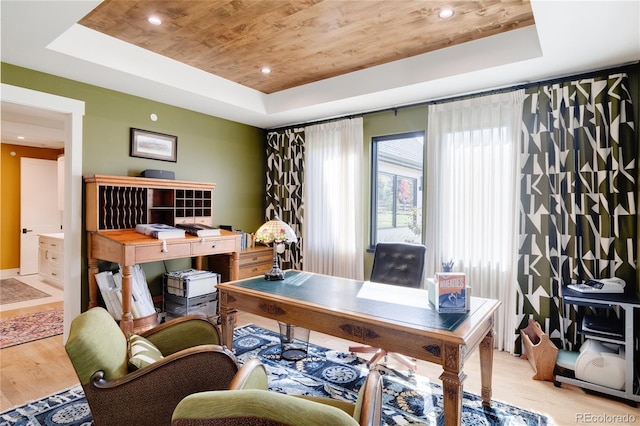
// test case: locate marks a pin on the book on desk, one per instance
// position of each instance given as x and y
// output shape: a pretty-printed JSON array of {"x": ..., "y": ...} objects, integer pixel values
[
  {"x": 160, "y": 231},
  {"x": 448, "y": 292},
  {"x": 199, "y": 229}
]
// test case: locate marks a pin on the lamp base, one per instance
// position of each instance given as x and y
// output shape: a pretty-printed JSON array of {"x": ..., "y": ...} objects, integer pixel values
[{"x": 274, "y": 274}]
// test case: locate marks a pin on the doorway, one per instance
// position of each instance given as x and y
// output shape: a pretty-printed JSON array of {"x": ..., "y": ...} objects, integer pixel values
[{"x": 73, "y": 112}]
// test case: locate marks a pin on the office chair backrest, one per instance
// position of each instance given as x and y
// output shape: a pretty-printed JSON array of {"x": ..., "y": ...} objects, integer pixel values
[{"x": 399, "y": 264}]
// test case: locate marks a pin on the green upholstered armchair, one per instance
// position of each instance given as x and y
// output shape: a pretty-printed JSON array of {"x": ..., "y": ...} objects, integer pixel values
[
  {"x": 192, "y": 361},
  {"x": 249, "y": 403}
]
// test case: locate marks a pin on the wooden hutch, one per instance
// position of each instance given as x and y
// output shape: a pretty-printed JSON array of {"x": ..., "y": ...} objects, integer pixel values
[{"x": 115, "y": 204}]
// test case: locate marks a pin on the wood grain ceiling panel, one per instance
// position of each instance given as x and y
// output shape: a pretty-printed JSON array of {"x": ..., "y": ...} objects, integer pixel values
[{"x": 302, "y": 41}]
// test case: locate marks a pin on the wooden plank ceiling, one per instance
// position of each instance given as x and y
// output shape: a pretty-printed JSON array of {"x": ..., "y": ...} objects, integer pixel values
[{"x": 301, "y": 41}]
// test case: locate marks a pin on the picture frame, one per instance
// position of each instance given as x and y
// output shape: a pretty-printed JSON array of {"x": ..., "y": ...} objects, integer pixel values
[{"x": 153, "y": 145}]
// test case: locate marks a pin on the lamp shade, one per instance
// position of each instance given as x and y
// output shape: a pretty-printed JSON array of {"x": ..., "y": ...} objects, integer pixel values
[{"x": 276, "y": 231}]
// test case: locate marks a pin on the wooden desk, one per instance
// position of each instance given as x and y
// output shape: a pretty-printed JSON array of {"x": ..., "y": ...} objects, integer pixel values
[
  {"x": 389, "y": 317},
  {"x": 116, "y": 204},
  {"x": 128, "y": 247}
]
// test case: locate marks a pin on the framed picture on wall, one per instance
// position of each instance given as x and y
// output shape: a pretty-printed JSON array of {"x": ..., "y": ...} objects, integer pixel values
[{"x": 153, "y": 145}]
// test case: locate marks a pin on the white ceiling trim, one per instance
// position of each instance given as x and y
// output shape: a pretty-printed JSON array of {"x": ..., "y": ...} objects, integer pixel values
[{"x": 92, "y": 46}]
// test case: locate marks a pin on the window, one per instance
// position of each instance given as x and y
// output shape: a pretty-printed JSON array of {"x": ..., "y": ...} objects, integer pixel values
[{"x": 397, "y": 170}]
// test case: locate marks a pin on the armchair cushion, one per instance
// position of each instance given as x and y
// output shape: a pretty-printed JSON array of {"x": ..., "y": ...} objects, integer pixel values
[{"x": 142, "y": 352}]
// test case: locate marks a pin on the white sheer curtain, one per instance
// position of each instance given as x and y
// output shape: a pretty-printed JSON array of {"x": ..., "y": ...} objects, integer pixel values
[
  {"x": 472, "y": 195},
  {"x": 332, "y": 229}
]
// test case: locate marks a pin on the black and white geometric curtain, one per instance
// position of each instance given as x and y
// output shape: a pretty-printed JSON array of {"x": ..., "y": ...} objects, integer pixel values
[
  {"x": 285, "y": 173},
  {"x": 578, "y": 194}
]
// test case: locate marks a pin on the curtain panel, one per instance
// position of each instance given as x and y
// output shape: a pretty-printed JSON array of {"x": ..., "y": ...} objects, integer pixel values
[
  {"x": 285, "y": 178},
  {"x": 472, "y": 199},
  {"x": 578, "y": 195},
  {"x": 333, "y": 199}
]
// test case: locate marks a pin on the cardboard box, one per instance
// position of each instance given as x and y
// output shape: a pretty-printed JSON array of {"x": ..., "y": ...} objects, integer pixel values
[{"x": 448, "y": 292}]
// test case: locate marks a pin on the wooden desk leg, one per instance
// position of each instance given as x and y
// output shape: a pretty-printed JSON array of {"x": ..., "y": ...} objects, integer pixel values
[
  {"x": 486, "y": 367},
  {"x": 126, "y": 323},
  {"x": 93, "y": 285},
  {"x": 198, "y": 263},
  {"x": 452, "y": 379},
  {"x": 227, "y": 322},
  {"x": 234, "y": 264}
]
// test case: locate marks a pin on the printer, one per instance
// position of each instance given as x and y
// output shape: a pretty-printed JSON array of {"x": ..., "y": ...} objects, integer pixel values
[{"x": 596, "y": 363}]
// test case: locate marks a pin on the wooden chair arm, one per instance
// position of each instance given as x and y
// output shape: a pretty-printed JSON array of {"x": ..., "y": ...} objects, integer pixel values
[
  {"x": 370, "y": 401},
  {"x": 252, "y": 375}
]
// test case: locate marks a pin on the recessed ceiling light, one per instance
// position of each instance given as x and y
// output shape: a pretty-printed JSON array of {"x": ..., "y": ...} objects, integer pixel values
[
  {"x": 21, "y": 137},
  {"x": 265, "y": 70},
  {"x": 445, "y": 13},
  {"x": 154, "y": 20}
]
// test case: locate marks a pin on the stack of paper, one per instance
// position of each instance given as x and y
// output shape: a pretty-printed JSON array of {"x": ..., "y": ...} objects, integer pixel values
[{"x": 110, "y": 285}]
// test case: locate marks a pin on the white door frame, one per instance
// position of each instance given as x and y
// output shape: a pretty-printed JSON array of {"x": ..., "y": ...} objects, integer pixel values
[{"x": 72, "y": 222}]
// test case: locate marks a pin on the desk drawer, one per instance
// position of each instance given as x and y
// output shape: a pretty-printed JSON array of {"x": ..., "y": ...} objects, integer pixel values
[
  {"x": 154, "y": 252},
  {"x": 251, "y": 258},
  {"x": 213, "y": 246},
  {"x": 254, "y": 270}
]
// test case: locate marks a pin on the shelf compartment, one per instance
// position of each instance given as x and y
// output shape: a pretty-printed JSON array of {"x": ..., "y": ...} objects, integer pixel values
[{"x": 121, "y": 207}]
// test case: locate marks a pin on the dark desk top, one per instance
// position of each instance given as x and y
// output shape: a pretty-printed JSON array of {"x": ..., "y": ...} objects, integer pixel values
[{"x": 399, "y": 304}]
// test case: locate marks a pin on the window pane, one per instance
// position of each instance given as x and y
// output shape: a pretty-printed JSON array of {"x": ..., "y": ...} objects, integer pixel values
[
  {"x": 406, "y": 201},
  {"x": 397, "y": 188},
  {"x": 385, "y": 200}
]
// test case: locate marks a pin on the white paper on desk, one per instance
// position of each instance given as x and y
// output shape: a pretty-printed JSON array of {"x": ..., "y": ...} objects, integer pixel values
[{"x": 394, "y": 294}]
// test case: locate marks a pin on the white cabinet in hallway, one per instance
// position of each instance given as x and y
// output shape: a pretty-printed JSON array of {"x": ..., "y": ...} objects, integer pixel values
[{"x": 50, "y": 258}]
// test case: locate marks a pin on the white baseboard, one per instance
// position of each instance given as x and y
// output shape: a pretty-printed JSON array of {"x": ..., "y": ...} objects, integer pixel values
[{"x": 8, "y": 273}]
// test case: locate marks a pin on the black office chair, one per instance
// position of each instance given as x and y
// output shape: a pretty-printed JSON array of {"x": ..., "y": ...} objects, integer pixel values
[{"x": 400, "y": 264}]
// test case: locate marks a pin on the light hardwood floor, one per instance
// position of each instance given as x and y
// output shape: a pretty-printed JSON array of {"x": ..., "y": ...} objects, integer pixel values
[{"x": 37, "y": 369}]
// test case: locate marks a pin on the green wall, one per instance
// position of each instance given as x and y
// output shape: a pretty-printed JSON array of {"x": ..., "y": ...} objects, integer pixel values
[{"x": 210, "y": 149}]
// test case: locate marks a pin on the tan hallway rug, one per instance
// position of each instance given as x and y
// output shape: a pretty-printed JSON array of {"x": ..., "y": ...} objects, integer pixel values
[
  {"x": 27, "y": 328},
  {"x": 13, "y": 291}
]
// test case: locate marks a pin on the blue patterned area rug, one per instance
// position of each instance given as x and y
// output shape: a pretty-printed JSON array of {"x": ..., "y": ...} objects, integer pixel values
[{"x": 407, "y": 401}]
